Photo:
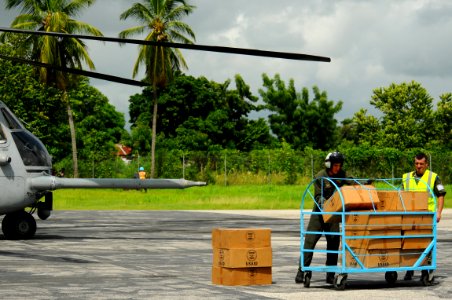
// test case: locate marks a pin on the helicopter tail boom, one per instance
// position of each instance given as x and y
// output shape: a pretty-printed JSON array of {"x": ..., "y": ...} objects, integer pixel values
[{"x": 54, "y": 183}]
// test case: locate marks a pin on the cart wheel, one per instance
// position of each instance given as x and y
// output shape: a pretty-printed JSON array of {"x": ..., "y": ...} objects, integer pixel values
[
  {"x": 340, "y": 280},
  {"x": 307, "y": 279},
  {"x": 391, "y": 277},
  {"x": 427, "y": 277}
]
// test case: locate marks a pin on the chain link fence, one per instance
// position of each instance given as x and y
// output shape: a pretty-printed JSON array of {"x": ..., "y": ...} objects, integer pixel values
[{"x": 286, "y": 166}]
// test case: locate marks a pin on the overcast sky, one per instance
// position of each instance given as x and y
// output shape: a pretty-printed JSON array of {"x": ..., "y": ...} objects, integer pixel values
[{"x": 371, "y": 44}]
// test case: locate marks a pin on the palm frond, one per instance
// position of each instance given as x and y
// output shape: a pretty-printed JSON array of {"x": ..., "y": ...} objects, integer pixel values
[
  {"x": 132, "y": 31},
  {"x": 162, "y": 18}
]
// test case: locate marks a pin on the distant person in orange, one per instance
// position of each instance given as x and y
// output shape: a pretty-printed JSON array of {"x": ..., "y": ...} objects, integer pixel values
[
  {"x": 142, "y": 175},
  {"x": 421, "y": 180}
]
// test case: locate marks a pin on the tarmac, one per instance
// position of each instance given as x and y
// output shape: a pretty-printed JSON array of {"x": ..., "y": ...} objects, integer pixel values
[{"x": 168, "y": 255}]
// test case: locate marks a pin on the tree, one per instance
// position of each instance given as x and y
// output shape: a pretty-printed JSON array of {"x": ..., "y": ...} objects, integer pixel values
[
  {"x": 348, "y": 131},
  {"x": 364, "y": 128},
  {"x": 162, "y": 18},
  {"x": 100, "y": 126},
  {"x": 37, "y": 105},
  {"x": 408, "y": 118},
  {"x": 42, "y": 112},
  {"x": 322, "y": 125},
  {"x": 443, "y": 118},
  {"x": 296, "y": 119},
  {"x": 56, "y": 16},
  {"x": 198, "y": 114},
  {"x": 287, "y": 111}
]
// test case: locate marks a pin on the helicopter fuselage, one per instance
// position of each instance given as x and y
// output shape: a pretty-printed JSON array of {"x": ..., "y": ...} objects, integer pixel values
[{"x": 22, "y": 156}]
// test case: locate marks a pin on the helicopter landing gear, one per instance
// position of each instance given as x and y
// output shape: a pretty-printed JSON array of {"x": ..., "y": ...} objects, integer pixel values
[
  {"x": 19, "y": 225},
  {"x": 45, "y": 208}
]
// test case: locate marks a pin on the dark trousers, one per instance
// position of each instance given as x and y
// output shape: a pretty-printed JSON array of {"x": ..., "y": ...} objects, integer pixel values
[{"x": 332, "y": 241}]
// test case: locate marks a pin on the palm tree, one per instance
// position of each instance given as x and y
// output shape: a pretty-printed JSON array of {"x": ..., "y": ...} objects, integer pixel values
[
  {"x": 66, "y": 52},
  {"x": 161, "y": 20}
]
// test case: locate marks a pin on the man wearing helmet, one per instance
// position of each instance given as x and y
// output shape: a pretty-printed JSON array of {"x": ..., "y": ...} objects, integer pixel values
[{"x": 324, "y": 189}]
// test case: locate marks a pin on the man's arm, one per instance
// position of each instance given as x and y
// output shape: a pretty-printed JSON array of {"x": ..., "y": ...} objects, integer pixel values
[
  {"x": 440, "y": 205},
  {"x": 318, "y": 191},
  {"x": 440, "y": 193}
]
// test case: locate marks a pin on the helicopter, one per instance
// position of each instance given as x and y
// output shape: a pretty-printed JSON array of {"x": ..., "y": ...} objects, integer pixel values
[
  {"x": 25, "y": 164},
  {"x": 25, "y": 178}
]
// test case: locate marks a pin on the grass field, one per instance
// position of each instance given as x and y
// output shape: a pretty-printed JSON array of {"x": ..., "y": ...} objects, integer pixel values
[
  {"x": 196, "y": 198},
  {"x": 213, "y": 197}
]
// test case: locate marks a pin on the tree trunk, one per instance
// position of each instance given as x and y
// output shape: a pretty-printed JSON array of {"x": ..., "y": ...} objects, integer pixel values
[
  {"x": 73, "y": 135},
  {"x": 154, "y": 132}
]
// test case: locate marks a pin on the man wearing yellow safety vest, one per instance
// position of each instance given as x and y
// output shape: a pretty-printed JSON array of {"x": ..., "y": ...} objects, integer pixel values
[{"x": 425, "y": 180}]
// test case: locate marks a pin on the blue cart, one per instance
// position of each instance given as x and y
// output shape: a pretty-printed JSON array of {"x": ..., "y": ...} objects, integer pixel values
[{"x": 393, "y": 232}]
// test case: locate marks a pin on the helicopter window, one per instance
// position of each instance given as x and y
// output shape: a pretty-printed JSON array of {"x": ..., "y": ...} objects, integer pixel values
[
  {"x": 12, "y": 122},
  {"x": 31, "y": 150}
]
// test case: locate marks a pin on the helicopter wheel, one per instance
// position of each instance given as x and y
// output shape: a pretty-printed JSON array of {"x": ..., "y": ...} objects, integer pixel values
[{"x": 19, "y": 226}]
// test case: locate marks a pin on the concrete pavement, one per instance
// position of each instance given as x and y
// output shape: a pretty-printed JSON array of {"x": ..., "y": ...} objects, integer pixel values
[{"x": 168, "y": 255}]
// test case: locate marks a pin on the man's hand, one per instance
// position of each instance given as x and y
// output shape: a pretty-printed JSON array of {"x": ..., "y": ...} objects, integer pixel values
[{"x": 438, "y": 217}]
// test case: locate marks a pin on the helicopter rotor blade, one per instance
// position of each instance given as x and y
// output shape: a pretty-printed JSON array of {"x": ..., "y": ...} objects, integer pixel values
[
  {"x": 53, "y": 183},
  {"x": 221, "y": 49},
  {"x": 78, "y": 71}
]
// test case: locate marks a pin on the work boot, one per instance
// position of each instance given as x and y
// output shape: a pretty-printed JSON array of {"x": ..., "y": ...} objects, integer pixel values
[
  {"x": 300, "y": 276},
  {"x": 408, "y": 275},
  {"x": 330, "y": 277}
]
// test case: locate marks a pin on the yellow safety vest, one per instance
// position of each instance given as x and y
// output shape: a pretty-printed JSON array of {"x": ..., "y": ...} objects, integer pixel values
[{"x": 427, "y": 180}]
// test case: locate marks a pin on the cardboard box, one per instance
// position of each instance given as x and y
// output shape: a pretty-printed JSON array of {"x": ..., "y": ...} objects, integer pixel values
[
  {"x": 242, "y": 276},
  {"x": 416, "y": 242},
  {"x": 413, "y": 201},
  {"x": 409, "y": 257},
  {"x": 371, "y": 242},
  {"x": 389, "y": 200},
  {"x": 241, "y": 237},
  {"x": 354, "y": 197},
  {"x": 421, "y": 221},
  {"x": 402, "y": 201},
  {"x": 373, "y": 221},
  {"x": 374, "y": 258},
  {"x": 330, "y": 218},
  {"x": 242, "y": 257}
]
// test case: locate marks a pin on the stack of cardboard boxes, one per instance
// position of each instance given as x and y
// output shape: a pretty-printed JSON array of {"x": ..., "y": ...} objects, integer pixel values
[
  {"x": 241, "y": 256},
  {"x": 379, "y": 233},
  {"x": 420, "y": 223}
]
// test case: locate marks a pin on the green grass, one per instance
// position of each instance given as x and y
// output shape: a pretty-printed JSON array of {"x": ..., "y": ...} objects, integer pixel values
[
  {"x": 213, "y": 197},
  {"x": 197, "y": 198}
]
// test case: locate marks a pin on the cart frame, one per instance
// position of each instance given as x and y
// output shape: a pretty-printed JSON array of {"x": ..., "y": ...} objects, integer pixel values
[{"x": 342, "y": 270}]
